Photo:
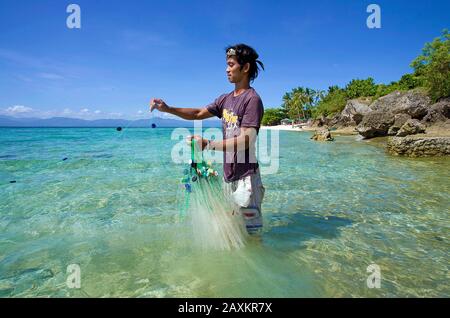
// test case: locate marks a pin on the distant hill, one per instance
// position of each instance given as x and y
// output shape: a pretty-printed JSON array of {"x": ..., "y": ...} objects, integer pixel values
[{"x": 8, "y": 121}]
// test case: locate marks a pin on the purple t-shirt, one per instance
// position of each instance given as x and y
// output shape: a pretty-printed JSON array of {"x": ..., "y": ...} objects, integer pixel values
[{"x": 244, "y": 110}]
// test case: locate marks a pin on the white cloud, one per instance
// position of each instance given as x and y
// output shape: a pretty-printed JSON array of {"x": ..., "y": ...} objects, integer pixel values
[
  {"x": 83, "y": 113},
  {"x": 50, "y": 76},
  {"x": 18, "y": 109},
  {"x": 165, "y": 115}
]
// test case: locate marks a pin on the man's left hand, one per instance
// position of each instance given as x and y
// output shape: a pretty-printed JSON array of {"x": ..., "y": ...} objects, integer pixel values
[{"x": 200, "y": 141}]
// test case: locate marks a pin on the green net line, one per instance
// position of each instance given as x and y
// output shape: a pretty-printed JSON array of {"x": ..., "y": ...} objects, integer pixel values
[
  {"x": 207, "y": 208},
  {"x": 200, "y": 178}
]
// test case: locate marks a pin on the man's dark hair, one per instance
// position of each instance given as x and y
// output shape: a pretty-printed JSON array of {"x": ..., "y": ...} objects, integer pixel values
[{"x": 246, "y": 54}]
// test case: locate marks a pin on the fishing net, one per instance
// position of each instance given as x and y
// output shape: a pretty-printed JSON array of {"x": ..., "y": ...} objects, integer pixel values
[{"x": 214, "y": 218}]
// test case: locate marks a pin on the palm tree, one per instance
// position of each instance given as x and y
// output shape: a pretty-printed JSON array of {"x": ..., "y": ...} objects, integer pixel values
[
  {"x": 287, "y": 99},
  {"x": 301, "y": 101}
]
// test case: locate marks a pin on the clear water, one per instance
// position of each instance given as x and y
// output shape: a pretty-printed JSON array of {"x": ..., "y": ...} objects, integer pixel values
[{"x": 111, "y": 207}]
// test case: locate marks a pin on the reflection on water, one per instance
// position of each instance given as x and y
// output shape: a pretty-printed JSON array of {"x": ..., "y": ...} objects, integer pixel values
[{"x": 111, "y": 207}]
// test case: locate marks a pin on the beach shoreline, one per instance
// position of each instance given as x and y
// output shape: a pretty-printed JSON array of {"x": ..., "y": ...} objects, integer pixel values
[
  {"x": 283, "y": 127},
  {"x": 342, "y": 131}
]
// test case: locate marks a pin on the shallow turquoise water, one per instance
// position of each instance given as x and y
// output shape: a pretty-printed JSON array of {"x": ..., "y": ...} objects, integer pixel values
[{"x": 331, "y": 210}]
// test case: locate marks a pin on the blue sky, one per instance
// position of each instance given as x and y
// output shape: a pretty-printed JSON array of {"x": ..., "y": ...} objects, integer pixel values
[{"x": 129, "y": 51}]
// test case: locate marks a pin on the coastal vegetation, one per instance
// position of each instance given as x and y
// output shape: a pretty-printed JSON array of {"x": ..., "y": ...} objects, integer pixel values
[{"x": 431, "y": 75}]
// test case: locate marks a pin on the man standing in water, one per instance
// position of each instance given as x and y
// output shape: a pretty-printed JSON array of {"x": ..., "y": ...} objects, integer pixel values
[{"x": 241, "y": 112}]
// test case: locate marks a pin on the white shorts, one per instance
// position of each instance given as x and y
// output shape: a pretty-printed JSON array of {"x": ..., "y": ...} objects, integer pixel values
[{"x": 252, "y": 213}]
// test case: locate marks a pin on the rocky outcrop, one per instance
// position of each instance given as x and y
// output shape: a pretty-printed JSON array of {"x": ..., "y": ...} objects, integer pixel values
[
  {"x": 411, "y": 127},
  {"x": 414, "y": 103},
  {"x": 399, "y": 121},
  {"x": 324, "y": 121},
  {"x": 375, "y": 124},
  {"x": 405, "y": 115},
  {"x": 322, "y": 135},
  {"x": 351, "y": 115},
  {"x": 384, "y": 116},
  {"x": 437, "y": 113},
  {"x": 334, "y": 121},
  {"x": 391, "y": 112},
  {"x": 353, "y": 112},
  {"x": 419, "y": 146},
  {"x": 318, "y": 122}
]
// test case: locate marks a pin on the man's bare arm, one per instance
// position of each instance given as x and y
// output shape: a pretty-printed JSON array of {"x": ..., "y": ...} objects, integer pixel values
[
  {"x": 240, "y": 143},
  {"x": 190, "y": 113},
  {"x": 185, "y": 113}
]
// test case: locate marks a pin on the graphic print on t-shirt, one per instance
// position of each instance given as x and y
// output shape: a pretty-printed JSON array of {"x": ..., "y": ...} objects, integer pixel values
[{"x": 230, "y": 119}]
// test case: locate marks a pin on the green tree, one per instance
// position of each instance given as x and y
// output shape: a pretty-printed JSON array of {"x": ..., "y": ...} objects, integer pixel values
[
  {"x": 331, "y": 102},
  {"x": 273, "y": 116},
  {"x": 361, "y": 88},
  {"x": 433, "y": 66},
  {"x": 287, "y": 100},
  {"x": 299, "y": 102},
  {"x": 383, "y": 89},
  {"x": 409, "y": 81}
]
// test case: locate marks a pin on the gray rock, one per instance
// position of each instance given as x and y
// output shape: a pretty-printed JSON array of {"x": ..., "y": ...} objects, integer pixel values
[
  {"x": 319, "y": 122},
  {"x": 399, "y": 121},
  {"x": 322, "y": 135},
  {"x": 419, "y": 146},
  {"x": 411, "y": 127},
  {"x": 323, "y": 121},
  {"x": 334, "y": 121},
  {"x": 413, "y": 103},
  {"x": 438, "y": 112},
  {"x": 375, "y": 123},
  {"x": 354, "y": 111}
]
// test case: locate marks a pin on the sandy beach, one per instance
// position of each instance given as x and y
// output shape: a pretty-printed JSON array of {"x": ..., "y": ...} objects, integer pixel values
[
  {"x": 344, "y": 131},
  {"x": 283, "y": 127}
]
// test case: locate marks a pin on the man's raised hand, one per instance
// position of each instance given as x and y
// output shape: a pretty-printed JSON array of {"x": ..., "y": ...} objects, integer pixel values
[{"x": 159, "y": 104}]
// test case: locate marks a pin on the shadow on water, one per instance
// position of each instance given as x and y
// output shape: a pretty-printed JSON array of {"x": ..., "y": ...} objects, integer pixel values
[
  {"x": 298, "y": 228},
  {"x": 105, "y": 155},
  {"x": 7, "y": 157},
  {"x": 266, "y": 267}
]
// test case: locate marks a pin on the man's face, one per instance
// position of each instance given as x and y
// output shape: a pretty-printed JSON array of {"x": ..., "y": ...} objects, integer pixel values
[{"x": 234, "y": 72}]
